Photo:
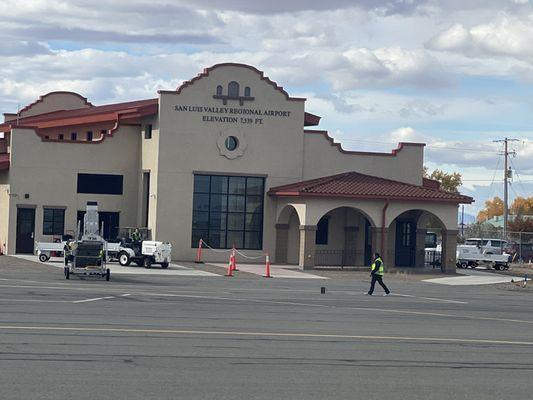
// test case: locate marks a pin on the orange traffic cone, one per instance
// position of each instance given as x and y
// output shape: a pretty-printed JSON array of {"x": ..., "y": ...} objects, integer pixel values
[
  {"x": 234, "y": 260},
  {"x": 267, "y": 267},
  {"x": 230, "y": 268}
]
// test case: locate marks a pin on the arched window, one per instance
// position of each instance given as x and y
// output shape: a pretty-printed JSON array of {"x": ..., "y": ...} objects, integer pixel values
[
  {"x": 233, "y": 89},
  {"x": 219, "y": 90},
  {"x": 247, "y": 91}
]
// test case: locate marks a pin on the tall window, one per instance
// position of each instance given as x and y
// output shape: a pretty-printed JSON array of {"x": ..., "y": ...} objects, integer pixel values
[
  {"x": 89, "y": 136},
  {"x": 228, "y": 211},
  {"x": 53, "y": 221},
  {"x": 322, "y": 230},
  {"x": 219, "y": 90},
  {"x": 247, "y": 91},
  {"x": 233, "y": 89},
  {"x": 148, "y": 131},
  {"x": 73, "y": 136}
]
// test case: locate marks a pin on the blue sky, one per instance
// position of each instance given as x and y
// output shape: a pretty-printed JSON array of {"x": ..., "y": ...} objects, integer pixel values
[{"x": 453, "y": 74}]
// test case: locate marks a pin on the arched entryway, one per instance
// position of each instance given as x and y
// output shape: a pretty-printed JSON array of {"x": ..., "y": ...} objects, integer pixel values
[
  {"x": 343, "y": 238},
  {"x": 338, "y": 237},
  {"x": 408, "y": 235},
  {"x": 288, "y": 236}
]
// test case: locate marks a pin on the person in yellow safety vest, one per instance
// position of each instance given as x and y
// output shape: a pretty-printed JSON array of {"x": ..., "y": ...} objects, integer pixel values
[
  {"x": 377, "y": 275},
  {"x": 136, "y": 235},
  {"x": 66, "y": 252}
]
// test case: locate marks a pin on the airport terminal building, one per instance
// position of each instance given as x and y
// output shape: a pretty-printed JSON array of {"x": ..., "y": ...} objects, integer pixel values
[{"x": 228, "y": 157}]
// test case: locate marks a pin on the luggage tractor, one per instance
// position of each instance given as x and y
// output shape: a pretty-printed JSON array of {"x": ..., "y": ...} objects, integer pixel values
[
  {"x": 85, "y": 256},
  {"x": 136, "y": 246}
]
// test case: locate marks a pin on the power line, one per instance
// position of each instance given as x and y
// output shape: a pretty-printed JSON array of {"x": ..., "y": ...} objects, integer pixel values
[{"x": 518, "y": 176}]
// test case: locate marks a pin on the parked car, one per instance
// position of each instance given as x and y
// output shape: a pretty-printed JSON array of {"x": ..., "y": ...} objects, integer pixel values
[
  {"x": 488, "y": 246},
  {"x": 519, "y": 252}
]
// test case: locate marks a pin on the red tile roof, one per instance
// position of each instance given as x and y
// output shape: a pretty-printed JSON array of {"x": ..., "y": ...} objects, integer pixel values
[
  {"x": 4, "y": 161},
  {"x": 360, "y": 186},
  {"x": 95, "y": 114},
  {"x": 311, "y": 119}
]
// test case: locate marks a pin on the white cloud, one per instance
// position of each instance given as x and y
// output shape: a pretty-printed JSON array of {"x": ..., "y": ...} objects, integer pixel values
[{"x": 507, "y": 36}]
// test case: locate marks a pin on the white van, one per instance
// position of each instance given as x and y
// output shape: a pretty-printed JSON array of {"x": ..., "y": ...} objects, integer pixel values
[{"x": 488, "y": 246}]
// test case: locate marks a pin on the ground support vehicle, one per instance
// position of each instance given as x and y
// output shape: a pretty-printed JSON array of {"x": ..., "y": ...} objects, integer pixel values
[
  {"x": 136, "y": 245},
  {"x": 473, "y": 256},
  {"x": 44, "y": 250},
  {"x": 86, "y": 256},
  {"x": 112, "y": 251},
  {"x": 145, "y": 253}
]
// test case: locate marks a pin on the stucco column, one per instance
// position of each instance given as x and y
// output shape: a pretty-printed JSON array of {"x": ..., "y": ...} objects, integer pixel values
[
  {"x": 282, "y": 242},
  {"x": 449, "y": 249},
  {"x": 420, "y": 254},
  {"x": 307, "y": 246}
]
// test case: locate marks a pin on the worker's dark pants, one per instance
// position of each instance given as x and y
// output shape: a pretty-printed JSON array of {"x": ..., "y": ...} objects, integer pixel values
[{"x": 379, "y": 279}]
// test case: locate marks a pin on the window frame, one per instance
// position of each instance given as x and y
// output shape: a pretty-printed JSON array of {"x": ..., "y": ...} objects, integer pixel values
[
  {"x": 249, "y": 235},
  {"x": 56, "y": 224},
  {"x": 87, "y": 185},
  {"x": 148, "y": 131}
]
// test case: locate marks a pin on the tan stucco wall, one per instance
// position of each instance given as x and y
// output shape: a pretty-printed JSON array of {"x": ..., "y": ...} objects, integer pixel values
[
  {"x": 310, "y": 210},
  {"x": 150, "y": 163},
  {"x": 47, "y": 171},
  {"x": 293, "y": 245},
  {"x": 323, "y": 159},
  {"x": 54, "y": 102},
  {"x": 188, "y": 144}
]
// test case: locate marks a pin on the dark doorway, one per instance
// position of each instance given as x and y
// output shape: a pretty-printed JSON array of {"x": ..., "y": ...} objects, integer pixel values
[
  {"x": 111, "y": 223},
  {"x": 25, "y": 230},
  {"x": 146, "y": 198},
  {"x": 405, "y": 243}
]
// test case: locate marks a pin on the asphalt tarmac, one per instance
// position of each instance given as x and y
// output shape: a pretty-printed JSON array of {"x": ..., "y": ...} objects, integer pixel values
[{"x": 153, "y": 337}]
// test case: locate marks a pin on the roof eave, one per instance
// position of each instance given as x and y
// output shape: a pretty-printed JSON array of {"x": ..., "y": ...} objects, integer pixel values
[{"x": 467, "y": 200}]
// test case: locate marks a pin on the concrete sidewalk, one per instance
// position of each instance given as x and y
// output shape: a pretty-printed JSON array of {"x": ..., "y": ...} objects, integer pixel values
[
  {"x": 474, "y": 277},
  {"x": 276, "y": 271}
]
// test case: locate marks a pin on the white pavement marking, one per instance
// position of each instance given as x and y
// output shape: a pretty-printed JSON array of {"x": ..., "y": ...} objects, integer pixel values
[
  {"x": 172, "y": 270},
  {"x": 430, "y": 298},
  {"x": 270, "y": 334},
  {"x": 94, "y": 299},
  {"x": 277, "y": 271},
  {"x": 252, "y": 300},
  {"x": 473, "y": 277}
]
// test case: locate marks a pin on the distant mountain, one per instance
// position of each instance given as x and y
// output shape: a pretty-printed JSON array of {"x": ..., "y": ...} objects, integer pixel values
[{"x": 468, "y": 218}]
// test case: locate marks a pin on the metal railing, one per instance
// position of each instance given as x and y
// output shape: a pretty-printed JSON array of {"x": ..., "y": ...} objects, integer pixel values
[
  {"x": 336, "y": 258},
  {"x": 432, "y": 258}
]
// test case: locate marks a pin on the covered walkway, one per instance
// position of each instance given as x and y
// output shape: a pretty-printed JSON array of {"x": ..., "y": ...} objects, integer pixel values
[{"x": 342, "y": 219}]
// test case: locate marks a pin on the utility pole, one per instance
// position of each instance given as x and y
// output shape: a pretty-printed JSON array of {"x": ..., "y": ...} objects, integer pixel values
[
  {"x": 506, "y": 175},
  {"x": 462, "y": 220}
]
